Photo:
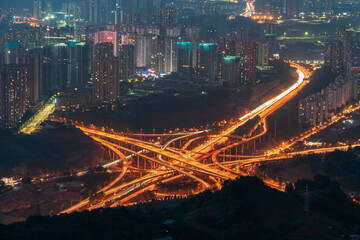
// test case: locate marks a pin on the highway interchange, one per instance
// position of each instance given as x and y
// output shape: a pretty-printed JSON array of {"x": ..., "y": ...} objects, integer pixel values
[
  {"x": 208, "y": 157},
  {"x": 173, "y": 158}
]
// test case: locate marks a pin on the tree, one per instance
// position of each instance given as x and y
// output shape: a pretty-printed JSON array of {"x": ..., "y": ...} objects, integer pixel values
[
  {"x": 322, "y": 181},
  {"x": 26, "y": 180},
  {"x": 289, "y": 187}
]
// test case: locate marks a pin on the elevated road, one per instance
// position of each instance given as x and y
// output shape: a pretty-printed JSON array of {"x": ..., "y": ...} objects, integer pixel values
[
  {"x": 189, "y": 163},
  {"x": 264, "y": 109},
  {"x": 173, "y": 163}
]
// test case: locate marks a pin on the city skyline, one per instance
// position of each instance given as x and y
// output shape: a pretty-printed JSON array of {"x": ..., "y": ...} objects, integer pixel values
[{"x": 151, "y": 103}]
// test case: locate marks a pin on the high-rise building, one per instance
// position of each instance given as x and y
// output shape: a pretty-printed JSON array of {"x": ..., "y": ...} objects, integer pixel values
[
  {"x": 143, "y": 50},
  {"x": 247, "y": 52},
  {"x": 318, "y": 108},
  {"x": 106, "y": 75},
  {"x": 164, "y": 54},
  {"x": 344, "y": 36},
  {"x": 263, "y": 53},
  {"x": 94, "y": 15},
  {"x": 72, "y": 63},
  {"x": 158, "y": 54},
  {"x": 192, "y": 33},
  {"x": 319, "y": 7},
  {"x": 272, "y": 8},
  {"x": 14, "y": 94},
  {"x": 78, "y": 65},
  {"x": 14, "y": 53},
  {"x": 168, "y": 16},
  {"x": 103, "y": 50},
  {"x": 291, "y": 8},
  {"x": 313, "y": 110},
  {"x": 48, "y": 70},
  {"x": 329, "y": 7},
  {"x": 37, "y": 9},
  {"x": 353, "y": 67},
  {"x": 237, "y": 33},
  {"x": 107, "y": 36},
  {"x": 48, "y": 7},
  {"x": 230, "y": 70},
  {"x": 132, "y": 11},
  {"x": 83, "y": 64},
  {"x": 61, "y": 66},
  {"x": 34, "y": 70},
  {"x": 108, "y": 11},
  {"x": 127, "y": 64},
  {"x": 207, "y": 61},
  {"x": 170, "y": 55},
  {"x": 185, "y": 59},
  {"x": 334, "y": 56},
  {"x": 102, "y": 12}
]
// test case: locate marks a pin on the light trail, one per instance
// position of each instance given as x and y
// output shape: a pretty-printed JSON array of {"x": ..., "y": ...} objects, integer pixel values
[
  {"x": 135, "y": 194},
  {"x": 85, "y": 202},
  {"x": 250, "y": 8},
  {"x": 186, "y": 161},
  {"x": 182, "y": 137},
  {"x": 216, "y": 153},
  {"x": 167, "y": 164},
  {"x": 251, "y": 115},
  {"x": 169, "y": 153},
  {"x": 115, "y": 181}
]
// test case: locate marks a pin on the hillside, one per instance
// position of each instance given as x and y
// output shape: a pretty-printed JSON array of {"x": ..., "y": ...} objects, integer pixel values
[
  {"x": 340, "y": 166},
  {"x": 243, "y": 209}
]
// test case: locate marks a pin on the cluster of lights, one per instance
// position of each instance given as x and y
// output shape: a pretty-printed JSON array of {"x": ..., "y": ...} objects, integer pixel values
[
  {"x": 151, "y": 73},
  {"x": 24, "y": 18},
  {"x": 262, "y": 17},
  {"x": 49, "y": 17}
]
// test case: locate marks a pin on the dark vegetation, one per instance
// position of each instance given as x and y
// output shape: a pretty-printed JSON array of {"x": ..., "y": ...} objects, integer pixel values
[
  {"x": 168, "y": 112},
  {"x": 340, "y": 166},
  {"x": 243, "y": 209},
  {"x": 51, "y": 151},
  {"x": 161, "y": 112}
]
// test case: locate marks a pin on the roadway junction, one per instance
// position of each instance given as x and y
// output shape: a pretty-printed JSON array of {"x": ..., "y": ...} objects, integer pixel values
[{"x": 207, "y": 157}]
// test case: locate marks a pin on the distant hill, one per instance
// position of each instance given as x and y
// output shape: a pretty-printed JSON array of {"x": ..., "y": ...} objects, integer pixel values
[{"x": 243, "y": 209}]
